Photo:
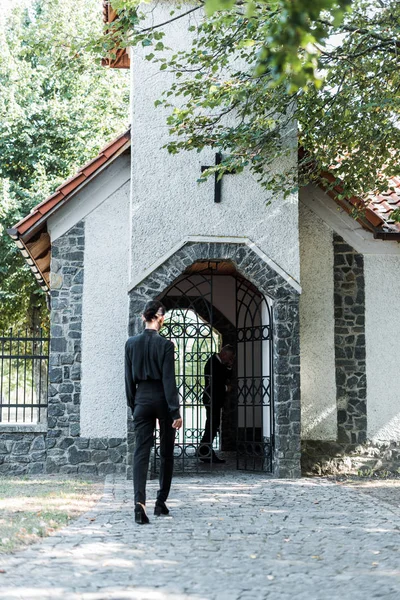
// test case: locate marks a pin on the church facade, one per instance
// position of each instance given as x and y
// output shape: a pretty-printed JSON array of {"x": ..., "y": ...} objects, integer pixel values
[{"x": 304, "y": 293}]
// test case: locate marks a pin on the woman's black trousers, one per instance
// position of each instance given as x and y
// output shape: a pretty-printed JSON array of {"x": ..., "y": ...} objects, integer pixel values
[{"x": 150, "y": 405}]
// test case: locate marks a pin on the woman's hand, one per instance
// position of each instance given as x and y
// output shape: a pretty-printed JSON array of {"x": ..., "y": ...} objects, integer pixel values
[{"x": 177, "y": 424}]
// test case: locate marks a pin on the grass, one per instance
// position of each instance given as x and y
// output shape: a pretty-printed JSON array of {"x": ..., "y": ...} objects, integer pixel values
[{"x": 34, "y": 506}]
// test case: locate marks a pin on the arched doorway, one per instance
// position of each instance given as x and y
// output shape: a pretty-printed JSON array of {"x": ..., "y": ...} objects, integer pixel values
[
  {"x": 282, "y": 292},
  {"x": 211, "y": 305}
]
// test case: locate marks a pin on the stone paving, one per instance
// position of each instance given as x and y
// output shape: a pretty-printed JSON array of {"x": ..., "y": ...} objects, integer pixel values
[{"x": 230, "y": 537}]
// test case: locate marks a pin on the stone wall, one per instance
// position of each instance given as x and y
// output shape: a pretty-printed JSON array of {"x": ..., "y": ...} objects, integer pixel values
[
  {"x": 67, "y": 452},
  {"x": 335, "y": 458},
  {"x": 22, "y": 452},
  {"x": 349, "y": 303},
  {"x": 286, "y": 391}
]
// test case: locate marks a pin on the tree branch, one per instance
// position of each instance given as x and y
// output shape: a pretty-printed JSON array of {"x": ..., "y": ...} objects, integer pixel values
[
  {"x": 188, "y": 12},
  {"x": 364, "y": 31}
]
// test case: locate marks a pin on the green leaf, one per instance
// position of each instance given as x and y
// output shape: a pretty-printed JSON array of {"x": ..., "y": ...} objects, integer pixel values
[
  {"x": 58, "y": 108},
  {"x": 211, "y": 6}
]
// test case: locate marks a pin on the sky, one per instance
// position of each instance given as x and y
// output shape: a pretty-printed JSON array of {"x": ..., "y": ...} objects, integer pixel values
[
  {"x": 4, "y": 4},
  {"x": 7, "y": 4}
]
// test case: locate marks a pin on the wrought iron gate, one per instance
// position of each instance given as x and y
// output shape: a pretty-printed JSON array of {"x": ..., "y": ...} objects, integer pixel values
[
  {"x": 192, "y": 325},
  {"x": 254, "y": 379}
]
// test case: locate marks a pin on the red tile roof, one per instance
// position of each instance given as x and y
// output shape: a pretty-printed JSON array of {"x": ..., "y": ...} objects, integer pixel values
[
  {"x": 374, "y": 210},
  {"x": 30, "y": 234},
  {"x": 64, "y": 191},
  {"x": 385, "y": 203}
]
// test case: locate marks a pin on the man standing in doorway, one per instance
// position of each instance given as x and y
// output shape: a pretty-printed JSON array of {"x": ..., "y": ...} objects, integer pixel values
[{"x": 217, "y": 375}]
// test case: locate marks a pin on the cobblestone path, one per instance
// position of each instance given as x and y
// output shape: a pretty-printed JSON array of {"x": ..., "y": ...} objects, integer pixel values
[{"x": 230, "y": 537}]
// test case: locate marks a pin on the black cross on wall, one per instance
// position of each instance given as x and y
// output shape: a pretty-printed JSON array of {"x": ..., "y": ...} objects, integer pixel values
[{"x": 217, "y": 182}]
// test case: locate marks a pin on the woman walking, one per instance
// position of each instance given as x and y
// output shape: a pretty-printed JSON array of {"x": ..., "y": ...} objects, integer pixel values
[{"x": 152, "y": 394}]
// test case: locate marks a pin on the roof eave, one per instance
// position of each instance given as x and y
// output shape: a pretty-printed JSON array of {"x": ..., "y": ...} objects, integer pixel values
[
  {"x": 39, "y": 223},
  {"x": 29, "y": 259},
  {"x": 387, "y": 235}
]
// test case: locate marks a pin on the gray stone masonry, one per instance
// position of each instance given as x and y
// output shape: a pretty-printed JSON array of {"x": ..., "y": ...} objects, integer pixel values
[
  {"x": 335, "y": 458},
  {"x": 286, "y": 359},
  {"x": 241, "y": 537},
  {"x": 351, "y": 379},
  {"x": 22, "y": 453},
  {"x": 67, "y": 452}
]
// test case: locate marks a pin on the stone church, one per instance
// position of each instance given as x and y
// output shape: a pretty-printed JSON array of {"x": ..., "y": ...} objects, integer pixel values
[{"x": 303, "y": 291}]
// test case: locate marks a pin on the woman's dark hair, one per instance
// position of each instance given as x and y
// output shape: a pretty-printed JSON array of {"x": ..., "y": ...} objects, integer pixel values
[
  {"x": 228, "y": 348},
  {"x": 152, "y": 308}
]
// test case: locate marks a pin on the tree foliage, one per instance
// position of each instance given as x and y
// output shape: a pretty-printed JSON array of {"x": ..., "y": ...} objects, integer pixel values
[
  {"x": 287, "y": 50},
  {"x": 347, "y": 111},
  {"x": 57, "y": 108},
  {"x": 291, "y": 27}
]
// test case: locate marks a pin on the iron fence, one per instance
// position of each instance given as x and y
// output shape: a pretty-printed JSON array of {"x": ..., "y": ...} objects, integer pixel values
[{"x": 24, "y": 360}]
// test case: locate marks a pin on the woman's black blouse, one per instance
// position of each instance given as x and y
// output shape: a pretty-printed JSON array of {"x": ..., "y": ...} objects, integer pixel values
[{"x": 148, "y": 356}]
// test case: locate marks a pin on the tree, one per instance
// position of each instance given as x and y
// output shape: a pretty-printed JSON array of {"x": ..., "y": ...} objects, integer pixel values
[
  {"x": 292, "y": 27},
  {"x": 347, "y": 121},
  {"x": 57, "y": 108}
]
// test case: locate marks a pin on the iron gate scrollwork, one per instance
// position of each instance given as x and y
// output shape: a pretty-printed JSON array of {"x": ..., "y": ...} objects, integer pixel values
[
  {"x": 192, "y": 323},
  {"x": 254, "y": 447},
  {"x": 188, "y": 325}
]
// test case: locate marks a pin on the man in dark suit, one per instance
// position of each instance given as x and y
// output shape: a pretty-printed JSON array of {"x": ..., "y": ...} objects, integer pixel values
[{"x": 217, "y": 374}]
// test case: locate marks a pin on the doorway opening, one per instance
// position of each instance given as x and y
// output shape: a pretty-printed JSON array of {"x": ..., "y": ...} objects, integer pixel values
[{"x": 210, "y": 306}]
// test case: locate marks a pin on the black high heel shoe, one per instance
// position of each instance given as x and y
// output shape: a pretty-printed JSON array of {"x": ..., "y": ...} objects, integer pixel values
[
  {"x": 160, "y": 509},
  {"x": 140, "y": 515}
]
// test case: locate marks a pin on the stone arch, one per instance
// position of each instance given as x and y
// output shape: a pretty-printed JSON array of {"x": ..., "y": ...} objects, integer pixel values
[{"x": 286, "y": 360}]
